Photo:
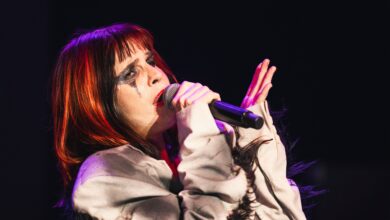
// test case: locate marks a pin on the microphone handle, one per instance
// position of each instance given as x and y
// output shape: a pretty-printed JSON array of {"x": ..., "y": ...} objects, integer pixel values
[{"x": 235, "y": 115}]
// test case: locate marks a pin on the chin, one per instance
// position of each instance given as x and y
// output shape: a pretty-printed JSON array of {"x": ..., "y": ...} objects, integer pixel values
[{"x": 166, "y": 120}]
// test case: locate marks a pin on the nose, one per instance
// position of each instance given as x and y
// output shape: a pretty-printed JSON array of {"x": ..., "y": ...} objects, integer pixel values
[{"x": 154, "y": 76}]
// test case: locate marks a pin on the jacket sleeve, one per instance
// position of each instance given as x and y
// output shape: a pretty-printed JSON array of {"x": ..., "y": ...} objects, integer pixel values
[
  {"x": 211, "y": 187},
  {"x": 277, "y": 198}
]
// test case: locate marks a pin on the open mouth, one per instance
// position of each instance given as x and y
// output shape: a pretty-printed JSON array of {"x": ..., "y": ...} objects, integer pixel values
[{"x": 159, "y": 100}]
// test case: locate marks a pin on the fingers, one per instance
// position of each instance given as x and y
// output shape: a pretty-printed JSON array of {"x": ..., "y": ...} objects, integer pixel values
[
  {"x": 190, "y": 93},
  {"x": 184, "y": 87},
  {"x": 262, "y": 95},
  {"x": 207, "y": 97},
  {"x": 262, "y": 77},
  {"x": 255, "y": 83},
  {"x": 186, "y": 90},
  {"x": 258, "y": 77},
  {"x": 268, "y": 76},
  {"x": 254, "y": 79}
]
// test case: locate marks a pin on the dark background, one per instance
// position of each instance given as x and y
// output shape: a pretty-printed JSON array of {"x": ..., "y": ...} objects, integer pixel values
[{"x": 331, "y": 60}]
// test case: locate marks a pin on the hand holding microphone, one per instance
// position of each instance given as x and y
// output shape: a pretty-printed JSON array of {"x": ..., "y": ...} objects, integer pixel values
[{"x": 178, "y": 96}]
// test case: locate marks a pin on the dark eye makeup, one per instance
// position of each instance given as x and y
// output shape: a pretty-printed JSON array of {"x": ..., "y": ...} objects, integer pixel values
[
  {"x": 151, "y": 61},
  {"x": 130, "y": 73}
]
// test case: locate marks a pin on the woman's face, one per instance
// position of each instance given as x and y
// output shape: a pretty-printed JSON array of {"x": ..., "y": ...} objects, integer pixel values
[{"x": 139, "y": 82}]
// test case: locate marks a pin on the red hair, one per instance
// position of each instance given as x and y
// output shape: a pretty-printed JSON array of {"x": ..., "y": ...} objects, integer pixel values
[{"x": 83, "y": 91}]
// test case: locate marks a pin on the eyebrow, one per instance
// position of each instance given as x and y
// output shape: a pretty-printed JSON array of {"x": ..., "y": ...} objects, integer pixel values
[{"x": 132, "y": 64}]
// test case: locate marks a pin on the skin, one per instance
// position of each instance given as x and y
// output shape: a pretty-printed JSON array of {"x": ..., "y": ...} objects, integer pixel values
[
  {"x": 260, "y": 85},
  {"x": 135, "y": 94},
  {"x": 137, "y": 89}
]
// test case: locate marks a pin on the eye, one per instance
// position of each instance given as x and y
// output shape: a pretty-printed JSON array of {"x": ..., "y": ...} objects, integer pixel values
[
  {"x": 128, "y": 76},
  {"x": 131, "y": 73},
  {"x": 151, "y": 61}
]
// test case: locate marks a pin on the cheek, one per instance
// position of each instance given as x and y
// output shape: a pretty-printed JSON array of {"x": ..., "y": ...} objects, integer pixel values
[
  {"x": 128, "y": 102},
  {"x": 165, "y": 78}
]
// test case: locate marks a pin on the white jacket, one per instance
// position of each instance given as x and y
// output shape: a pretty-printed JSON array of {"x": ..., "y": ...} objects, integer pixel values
[{"x": 125, "y": 183}]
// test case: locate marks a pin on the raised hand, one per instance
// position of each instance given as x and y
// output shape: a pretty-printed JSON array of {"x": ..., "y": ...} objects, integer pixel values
[{"x": 260, "y": 85}]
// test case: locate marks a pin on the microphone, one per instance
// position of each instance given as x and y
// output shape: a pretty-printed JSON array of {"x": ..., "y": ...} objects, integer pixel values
[{"x": 221, "y": 110}]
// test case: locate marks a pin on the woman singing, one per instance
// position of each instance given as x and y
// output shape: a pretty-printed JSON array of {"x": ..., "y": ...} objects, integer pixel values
[{"x": 125, "y": 155}]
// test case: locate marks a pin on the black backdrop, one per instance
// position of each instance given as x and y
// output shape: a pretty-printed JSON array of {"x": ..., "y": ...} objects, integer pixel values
[{"x": 331, "y": 76}]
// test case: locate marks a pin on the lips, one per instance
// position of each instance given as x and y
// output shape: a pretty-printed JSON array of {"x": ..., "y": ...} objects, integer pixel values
[{"x": 158, "y": 99}]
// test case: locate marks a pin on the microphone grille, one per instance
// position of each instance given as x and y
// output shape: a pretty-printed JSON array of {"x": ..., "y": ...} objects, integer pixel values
[{"x": 169, "y": 93}]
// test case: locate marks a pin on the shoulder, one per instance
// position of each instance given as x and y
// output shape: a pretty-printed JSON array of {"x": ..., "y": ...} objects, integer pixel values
[
  {"x": 115, "y": 181},
  {"x": 118, "y": 161}
]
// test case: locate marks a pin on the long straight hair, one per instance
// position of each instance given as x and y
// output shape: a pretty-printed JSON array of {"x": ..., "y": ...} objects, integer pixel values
[{"x": 83, "y": 95}]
